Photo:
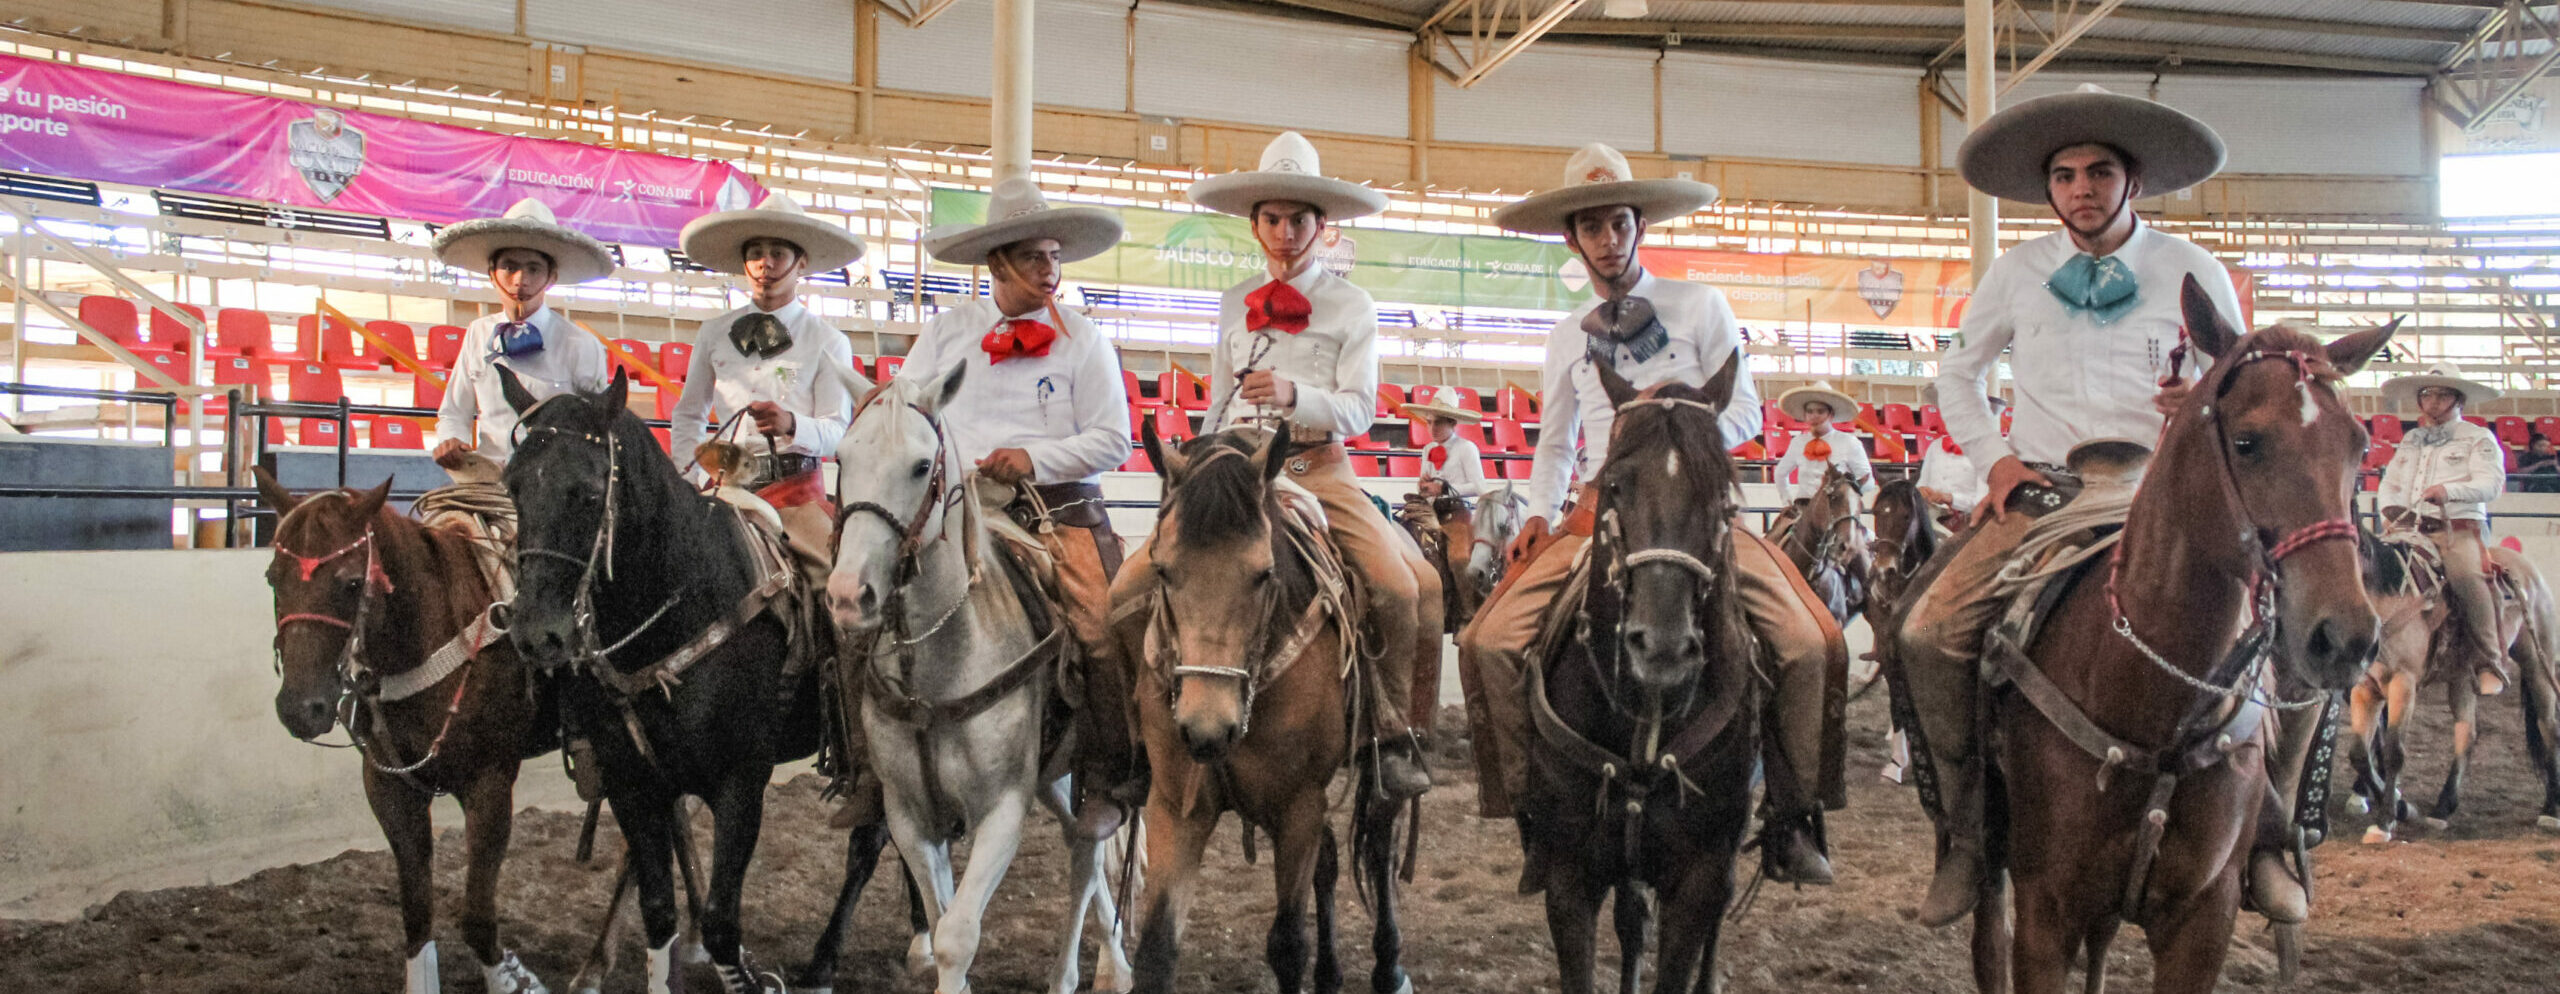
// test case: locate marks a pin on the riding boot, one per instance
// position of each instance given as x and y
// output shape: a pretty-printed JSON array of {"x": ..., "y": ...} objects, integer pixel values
[
  {"x": 1533, "y": 858},
  {"x": 2272, "y": 887},
  {"x": 1958, "y": 882},
  {"x": 1792, "y": 848}
]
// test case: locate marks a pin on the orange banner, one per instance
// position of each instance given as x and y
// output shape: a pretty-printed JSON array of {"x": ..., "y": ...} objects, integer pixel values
[{"x": 1888, "y": 293}]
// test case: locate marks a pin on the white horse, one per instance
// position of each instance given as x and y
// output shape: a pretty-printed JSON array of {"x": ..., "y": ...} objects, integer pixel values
[
  {"x": 1498, "y": 519},
  {"x": 956, "y": 685}
]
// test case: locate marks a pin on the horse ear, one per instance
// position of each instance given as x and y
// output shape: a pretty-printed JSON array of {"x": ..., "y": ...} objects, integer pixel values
[
  {"x": 2349, "y": 353},
  {"x": 2205, "y": 326},
  {"x": 1619, "y": 390},
  {"x": 1156, "y": 449},
  {"x": 949, "y": 387},
  {"x": 274, "y": 494},
  {"x": 370, "y": 502},
  {"x": 1275, "y": 455},
  {"x": 617, "y": 394},
  {"x": 513, "y": 389},
  {"x": 1719, "y": 388}
]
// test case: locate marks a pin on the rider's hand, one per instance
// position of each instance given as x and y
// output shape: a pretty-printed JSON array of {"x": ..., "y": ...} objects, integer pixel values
[
  {"x": 2006, "y": 475},
  {"x": 771, "y": 419},
  {"x": 1006, "y": 466},
  {"x": 1264, "y": 388},
  {"x": 1432, "y": 487},
  {"x": 2170, "y": 398},
  {"x": 1525, "y": 545},
  {"x": 448, "y": 453},
  {"x": 2434, "y": 494},
  {"x": 1936, "y": 496}
]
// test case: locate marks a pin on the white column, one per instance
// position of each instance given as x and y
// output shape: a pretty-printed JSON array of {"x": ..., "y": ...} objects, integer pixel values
[
  {"x": 1981, "y": 97},
  {"x": 1009, "y": 142}
]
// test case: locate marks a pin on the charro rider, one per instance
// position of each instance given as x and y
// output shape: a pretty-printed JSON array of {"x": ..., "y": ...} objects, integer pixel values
[
  {"x": 1043, "y": 407},
  {"x": 1822, "y": 447},
  {"x": 2090, "y": 319},
  {"x": 1652, "y": 331},
  {"x": 526, "y": 252},
  {"x": 1298, "y": 351},
  {"x": 2440, "y": 483},
  {"x": 1949, "y": 480},
  {"x": 769, "y": 361},
  {"x": 1452, "y": 465}
]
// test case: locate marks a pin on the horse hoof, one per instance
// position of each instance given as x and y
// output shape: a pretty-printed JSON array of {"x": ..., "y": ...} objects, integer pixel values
[
  {"x": 2376, "y": 835},
  {"x": 2548, "y": 823},
  {"x": 1407, "y": 986},
  {"x": 2359, "y": 804},
  {"x": 2436, "y": 824}
]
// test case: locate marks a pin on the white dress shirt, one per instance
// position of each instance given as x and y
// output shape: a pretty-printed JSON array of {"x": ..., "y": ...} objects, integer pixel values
[
  {"x": 2462, "y": 457},
  {"x": 1068, "y": 410},
  {"x": 721, "y": 381},
  {"x": 2076, "y": 379},
  {"x": 1800, "y": 475},
  {"x": 1576, "y": 410},
  {"x": 570, "y": 361},
  {"x": 1943, "y": 468},
  {"x": 1464, "y": 473},
  {"x": 1333, "y": 363}
]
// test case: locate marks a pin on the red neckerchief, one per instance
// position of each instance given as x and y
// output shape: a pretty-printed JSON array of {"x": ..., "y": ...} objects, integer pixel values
[
  {"x": 1439, "y": 456},
  {"x": 1277, "y": 305},
  {"x": 1018, "y": 338}
]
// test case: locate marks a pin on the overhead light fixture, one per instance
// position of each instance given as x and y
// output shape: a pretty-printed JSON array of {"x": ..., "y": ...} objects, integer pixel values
[{"x": 1623, "y": 9}]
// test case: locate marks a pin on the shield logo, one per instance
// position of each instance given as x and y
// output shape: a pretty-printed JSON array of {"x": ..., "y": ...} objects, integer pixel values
[
  {"x": 1880, "y": 286},
  {"x": 325, "y": 151}
]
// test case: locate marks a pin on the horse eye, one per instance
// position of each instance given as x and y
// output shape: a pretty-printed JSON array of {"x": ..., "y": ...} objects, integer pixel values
[
  {"x": 923, "y": 467},
  {"x": 2245, "y": 446},
  {"x": 1263, "y": 578}
]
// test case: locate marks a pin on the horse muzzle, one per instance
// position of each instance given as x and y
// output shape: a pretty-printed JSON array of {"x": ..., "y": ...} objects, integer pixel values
[
  {"x": 307, "y": 715},
  {"x": 2333, "y": 647}
]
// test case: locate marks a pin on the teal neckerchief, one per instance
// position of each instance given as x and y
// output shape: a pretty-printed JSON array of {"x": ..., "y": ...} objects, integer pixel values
[{"x": 2104, "y": 289}]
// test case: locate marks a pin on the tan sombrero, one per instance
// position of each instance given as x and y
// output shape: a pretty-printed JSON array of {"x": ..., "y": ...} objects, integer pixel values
[
  {"x": 2404, "y": 389},
  {"x": 1793, "y": 401},
  {"x": 1597, "y": 176},
  {"x": 719, "y": 241},
  {"x": 2006, "y": 156},
  {"x": 1016, "y": 211},
  {"x": 1289, "y": 171},
  {"x": 575, "y": 257},
  {"x": 1429, "y": 402}
]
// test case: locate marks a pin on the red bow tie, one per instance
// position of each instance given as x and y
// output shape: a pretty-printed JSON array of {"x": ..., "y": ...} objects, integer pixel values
[
  {"x": 1952, "y": 448},
  {"x": 1277, "y": 305},
  {"x": 1020, "y": 338},
  {"x": 1439, "y": 456}
]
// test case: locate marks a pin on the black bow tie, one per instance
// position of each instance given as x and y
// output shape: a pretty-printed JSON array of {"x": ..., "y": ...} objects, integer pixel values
[
  {"x": 760, "y": 336},
  {"x": 1628, "y": 322}
]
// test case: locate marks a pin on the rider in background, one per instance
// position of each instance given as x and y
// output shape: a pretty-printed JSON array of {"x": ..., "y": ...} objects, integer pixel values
[
  {"x": 525, "y": 253},
  {"x": 1822, "y": 446},
  {"x": 1452, "y": 466},
  {"x": 2440, "y": 482},
  {"x": 1949, "y": 480}
]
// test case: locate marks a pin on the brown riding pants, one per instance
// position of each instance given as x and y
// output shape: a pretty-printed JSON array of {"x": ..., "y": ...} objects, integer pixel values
[
  {"x": 1942, "y": 635},
  {"x": 2466, "y": 580}
]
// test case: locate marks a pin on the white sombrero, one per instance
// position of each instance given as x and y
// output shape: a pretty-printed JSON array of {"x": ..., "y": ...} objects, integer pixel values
[
  {"x": 575, "y": 257},
  {"x": 1793, "y": 401},
  {"x": 2006, "y": 156},
  {"x": 1289, "y": 171},
  {"x": 719, "y": 241},
  {"x": 2404, "y": 390},
  {"x": 1597, "y": 176},
  {"x": 1439, "y": 403},
  {"x": 1016, "y": 211}
]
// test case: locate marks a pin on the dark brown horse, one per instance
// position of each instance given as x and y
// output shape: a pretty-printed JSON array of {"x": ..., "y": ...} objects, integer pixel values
[
  {"x": 1246, "y": 702},
  {"x": 1647, "y": 718},
  {"x": 1905, "y": 539},
  {"x": 2130, "y": 750},
  {"x": 382, "y": 625}
]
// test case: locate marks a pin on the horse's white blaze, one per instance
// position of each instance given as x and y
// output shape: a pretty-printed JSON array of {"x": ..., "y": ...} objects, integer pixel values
[
  {"x": 422, "y": 975},
  {"x": 1671, "y": 464}
]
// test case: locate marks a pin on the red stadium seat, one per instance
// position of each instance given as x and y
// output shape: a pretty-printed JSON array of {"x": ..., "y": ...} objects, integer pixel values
[
  {"x": 2376, "y": 457},
  {"x": 1515, "y": 404},
  {"x": 2548, "y": 427},
  {"x": 168, "y": 332},
  {"x": 116, "y": 318},
  {"x": 663, "y": 402},
  {"x": 674, "y": 358},
  {"x": 1776, "y": 438},
  {"x": 444, "y": 346},
  {"x": 1138, "y": 462},
  {"x": 1415, "y": 435},
  {"x": 241, "y": 332},
  {"x": 1128, "y": 385},
  {"x": 638, "y": 351},
  {"x": 1750, "y": 449},
  {"x": 1467, "y": 400},
  {"x": 888, "y": 365},
  {"x": 331, "y": 343},
  {"x": 1147, "y": 390},
  {"x": 1365, "y": 466},
  {"x": 234, "y": 370},
  {"x": 398, "y": 334},
  {"x": 175, "y": 366},
  {"x": 1518, "y": 469},
  {"x": 1137, "y": 417},
  {"x": 1189, "y": 393},
  {"x": 1172, "y": 424},
  {"x": 2513, "y": 431},
  {"x": 424, "y": 392},
  {"x": 2476, "y": 419},
  {"x": 1391, "y": 400},
  {"x": 316, "y": 431},
  {"x": 1473, "y": 433},
  {"x": 1931, "y": 422},
  {"x": 1364, "y": 442},
  {"x": 1898, "y": 418},
  {"x": 1403, "y": 466},
  {"x": 391, "y": 432},
  {"x": 313, "y": 383},
  {"x": 2387, "y": 427},
  {"x": 306, "y": 340},
  {"x": 1505, "y": 435}
]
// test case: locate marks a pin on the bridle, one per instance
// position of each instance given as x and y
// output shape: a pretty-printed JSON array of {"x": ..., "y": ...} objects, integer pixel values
[
  {"x": 915, "y": 530},
  {"x": 590, "y": 650},
  {"x": 1265, "y": 668},
  {"x": 360, "y": 687},
  {"x": 1618, "y": 565}
]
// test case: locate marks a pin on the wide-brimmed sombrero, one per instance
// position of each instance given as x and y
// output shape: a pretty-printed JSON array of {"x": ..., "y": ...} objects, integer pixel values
[
  {"x": 2006, "y": 156},
  {"x": 1016, "y": 211},
  {"x": 1598, "y": 176},
  {"x": 719, "y": 241},
  {"x": 2404, "y": 389},
  {"x": 1432, "y": 403},
  {"x": 1793, "y": 401},
  {"x": 575, "y": 257},
  {"x": 1289, "y": 171}
]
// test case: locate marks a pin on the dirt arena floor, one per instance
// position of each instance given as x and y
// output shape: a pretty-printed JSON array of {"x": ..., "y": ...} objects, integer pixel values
[{"x": 2471, "y": 911}]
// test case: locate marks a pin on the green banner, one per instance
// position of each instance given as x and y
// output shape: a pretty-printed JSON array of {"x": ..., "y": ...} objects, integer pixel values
[{"x": 1213, "y": 252}]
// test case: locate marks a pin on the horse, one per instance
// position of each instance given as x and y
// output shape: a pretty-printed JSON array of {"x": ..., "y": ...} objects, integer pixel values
[
  {"x": 2129, "y": 749},
  {"x": 1828, "y": 544},
  {"x": 384, "y": 625},
  {"x": 666, "y": 614},
  {"x": 2414, "y": 649},
  {"x": 1646, "y": 718},
  {"x": 1499, "y": 515},
  {"x": 1905, "y": 539},
  {"x": 957, "y": 741},
  {"x": 1248, "y": 701},
  {"x": 1468, "y": 574}
]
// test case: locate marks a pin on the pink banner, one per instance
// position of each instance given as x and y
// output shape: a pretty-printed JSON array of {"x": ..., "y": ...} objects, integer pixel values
[{"x": 64, "y": 120}]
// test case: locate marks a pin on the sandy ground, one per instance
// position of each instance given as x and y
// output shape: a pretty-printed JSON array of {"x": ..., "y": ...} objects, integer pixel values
[{"x": 2472, "y": 910}]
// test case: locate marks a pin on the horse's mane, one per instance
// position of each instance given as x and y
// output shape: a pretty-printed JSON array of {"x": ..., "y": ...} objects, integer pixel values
[
  {"x": 2386, "y": 570},
  {"x": 1221, "y": 496}
]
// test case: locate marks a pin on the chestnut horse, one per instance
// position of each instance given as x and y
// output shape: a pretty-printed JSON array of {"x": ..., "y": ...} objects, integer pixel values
[
  {"x": 2138, "y": 703},
  {"x": 1828, "y": 544},
  {"x": 1647, "y": 715},
  {"x": 1247, "y": 701},
  {"x": 383, "y": 625}
]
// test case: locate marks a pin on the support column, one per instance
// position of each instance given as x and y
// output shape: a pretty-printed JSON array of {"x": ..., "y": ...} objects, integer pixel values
[
  {"x": 1009, "y": 106},
  {"x": 1421, "y": 118},
  {"x": 1931, "y": 154},
  {"x": 1981, "y": 97},
  {"x": 866, "y": 70}
]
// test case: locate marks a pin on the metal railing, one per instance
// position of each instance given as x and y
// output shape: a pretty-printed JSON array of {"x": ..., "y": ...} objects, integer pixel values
[{"x": 168, "y": 403}]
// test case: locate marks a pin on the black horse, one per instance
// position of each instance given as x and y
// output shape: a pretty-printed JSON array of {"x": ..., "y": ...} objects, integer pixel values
[
  {"x": 663, "y": 622},
  {"x": 1647, "y": 718}
]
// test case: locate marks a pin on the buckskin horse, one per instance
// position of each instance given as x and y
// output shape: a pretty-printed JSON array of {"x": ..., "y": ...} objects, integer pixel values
[
  {"x": 2416, "y": 649},
  {"x": 956, "y": 685},
  {"x": 662, "y": 610},
  {"x": 1646, "y": 717},
  {"x": 1248, "y": 701},
  {"x": 1828, "y": 544},
  {"x": 383, "y": 625},
  {"x": 2129, "y": 749}
]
